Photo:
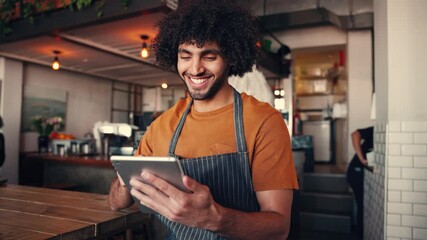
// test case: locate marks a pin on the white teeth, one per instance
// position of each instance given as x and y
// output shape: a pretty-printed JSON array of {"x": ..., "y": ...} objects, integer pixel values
[{"x": 198, "y": 81}]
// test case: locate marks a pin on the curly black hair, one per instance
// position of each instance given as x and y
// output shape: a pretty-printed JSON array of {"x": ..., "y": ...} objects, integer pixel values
[{"x": 232, "y": 27}]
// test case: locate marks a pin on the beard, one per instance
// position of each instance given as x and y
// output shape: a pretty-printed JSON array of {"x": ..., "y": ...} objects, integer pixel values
[{"x": 212, "y": 91}]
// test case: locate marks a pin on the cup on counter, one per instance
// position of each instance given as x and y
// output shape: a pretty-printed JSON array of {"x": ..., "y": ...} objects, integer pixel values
[
  {"x": 61, "y": 150},
  {"x": 84, "y": 148},
  {"x": 74, "y": 148}
]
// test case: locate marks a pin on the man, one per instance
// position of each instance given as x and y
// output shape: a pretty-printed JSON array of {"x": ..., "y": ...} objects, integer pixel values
[
  {"x": 234, "y": 150},
  {"x": 363, "y": 143}
]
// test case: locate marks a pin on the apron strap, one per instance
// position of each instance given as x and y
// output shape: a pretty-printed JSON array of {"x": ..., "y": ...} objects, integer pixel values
[
  {"x": 178, "y": 129},
  {"x": 238, "y": 122}
]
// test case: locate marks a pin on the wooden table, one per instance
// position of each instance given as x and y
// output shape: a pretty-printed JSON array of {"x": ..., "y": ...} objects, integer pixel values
[{"x": 41, "y": 213}]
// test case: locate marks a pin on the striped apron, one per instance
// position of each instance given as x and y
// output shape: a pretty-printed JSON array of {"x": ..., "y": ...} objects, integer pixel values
[{"x": 227, "y": 175}]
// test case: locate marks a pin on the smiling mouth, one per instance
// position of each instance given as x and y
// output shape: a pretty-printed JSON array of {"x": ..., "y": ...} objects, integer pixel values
[{"x": 198, "y": 80}]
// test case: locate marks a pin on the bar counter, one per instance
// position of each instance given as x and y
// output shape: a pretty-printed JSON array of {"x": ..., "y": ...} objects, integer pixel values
[
  {"x": 82, "y": 173},
  {"x": 41, "y": 213}
]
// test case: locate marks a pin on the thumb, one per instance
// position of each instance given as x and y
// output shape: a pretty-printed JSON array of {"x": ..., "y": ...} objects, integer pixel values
[{"x": 191, "y": 184}]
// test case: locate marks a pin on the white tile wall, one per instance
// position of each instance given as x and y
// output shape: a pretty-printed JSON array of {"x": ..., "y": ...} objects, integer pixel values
[
  {"x": 414, "y": 126},
  {"x": 420, "y": 233},
  {"x": 414, "y": 150},
  {"x": 401, "y": 208},
  {"x": 400, "y": 161},
  {"x": 402, "y": 232},
  {"x": 400, "y": 184},
  {"x": 414, "y": 173},
  {"x": 414, "y": 221},
  {"x": 420, "y": 186},
  {"x": 375, "y": 185},
  {"x": 395, "y": 196},
  {"x": 414, "y": 197},
  {"x": 405, "y": 161},
  {"x": 420, "y": 209},
  {"x": 420, "y": 162}
]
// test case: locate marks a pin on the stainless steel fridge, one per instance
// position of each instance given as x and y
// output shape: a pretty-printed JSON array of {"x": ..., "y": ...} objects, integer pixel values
[{"x": 322, "y": 139}]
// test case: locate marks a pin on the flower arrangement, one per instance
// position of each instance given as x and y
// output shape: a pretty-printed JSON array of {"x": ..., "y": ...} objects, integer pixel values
[{"x": 44, "y": 126}]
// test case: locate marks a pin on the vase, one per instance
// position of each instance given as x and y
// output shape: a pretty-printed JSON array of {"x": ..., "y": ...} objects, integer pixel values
[{"x": 43, "y": 143}]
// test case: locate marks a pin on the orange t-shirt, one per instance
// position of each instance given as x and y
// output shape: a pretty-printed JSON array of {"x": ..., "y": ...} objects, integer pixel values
[{"x": 211, "y": 133}]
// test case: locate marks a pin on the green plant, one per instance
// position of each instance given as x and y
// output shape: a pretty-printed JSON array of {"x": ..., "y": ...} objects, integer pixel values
[{"x": 28, "y": 9}]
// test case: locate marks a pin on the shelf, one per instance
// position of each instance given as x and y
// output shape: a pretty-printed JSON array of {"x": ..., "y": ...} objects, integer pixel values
[
  {"x": 311, "y": 77},
  {"x": 319, "y": 94}
]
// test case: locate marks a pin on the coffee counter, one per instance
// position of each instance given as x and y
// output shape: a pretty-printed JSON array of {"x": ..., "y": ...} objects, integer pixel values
[{"x": 82, "y": 173}]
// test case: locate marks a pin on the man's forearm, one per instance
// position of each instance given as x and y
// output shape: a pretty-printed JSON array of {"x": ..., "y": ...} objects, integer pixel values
[
  {"x": 119, "y": 196},
  {"x": 256, "y": 225}
]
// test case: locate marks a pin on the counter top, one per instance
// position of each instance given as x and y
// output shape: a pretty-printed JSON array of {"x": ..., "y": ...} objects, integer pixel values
[{"x": 41, "y": 213}]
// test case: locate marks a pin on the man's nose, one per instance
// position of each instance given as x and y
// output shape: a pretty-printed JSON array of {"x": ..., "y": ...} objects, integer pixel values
[{"x": 197, "y": 67}]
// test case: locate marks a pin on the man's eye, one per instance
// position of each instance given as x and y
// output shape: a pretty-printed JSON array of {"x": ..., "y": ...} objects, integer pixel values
[
  {"x": 210, "y": 58},
  {"x": 184, "y": 57}
]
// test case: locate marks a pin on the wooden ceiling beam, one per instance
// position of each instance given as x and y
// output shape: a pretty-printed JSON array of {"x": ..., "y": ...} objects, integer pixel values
[{"x": 63, "y": 19}]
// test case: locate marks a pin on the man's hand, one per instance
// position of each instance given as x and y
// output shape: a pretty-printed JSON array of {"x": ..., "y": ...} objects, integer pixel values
[{"x": 195, "y": 209}]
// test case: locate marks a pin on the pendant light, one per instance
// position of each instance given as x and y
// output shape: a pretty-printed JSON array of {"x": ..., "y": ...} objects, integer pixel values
[
  {"x": 144, "y": 49},
  {"x": 55, "y": 63}
]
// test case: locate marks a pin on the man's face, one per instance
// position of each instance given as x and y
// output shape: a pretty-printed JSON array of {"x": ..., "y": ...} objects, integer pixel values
[{"x": 204, "y": 70}]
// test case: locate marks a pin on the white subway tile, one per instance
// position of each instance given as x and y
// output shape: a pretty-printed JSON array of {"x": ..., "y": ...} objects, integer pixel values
[
  {"x": 414, "y": 197},
  {"x": 402, "y": 232},
  {"x": 414, "y": 221},
  {"x": 420, "y": 209},
  {"x": 414, "y": 173},
  {"x": 394, "y": 149},
  {"x": 414, "y": 150},
  {"x": 399, "y": 208},
  {"x": 420, "y": 186},
  {"x": 400, "y": 137},
  {"x": 414, "y": 126},
  {"x": 394, "y": 172},
  {"x": 388, "y": 238},
  {"x": 394, "y": 219},
  {"x": 400, "y": 161},
  {"x": 398, "y": 184},
  {"x": 420, "y": 233},
  {"x": 394, "y": 196},
  {"x": 394, "y": 126},
  {"x": 420, "y": 138},
  {"x": 420, "y": 162}
]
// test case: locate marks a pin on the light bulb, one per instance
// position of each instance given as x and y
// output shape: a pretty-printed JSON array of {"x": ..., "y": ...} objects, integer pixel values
[
  {"x": 164, "y": 85},
  {"x": 55, "y": 64},
  {"x": 144, "y": 52},
  {"x": 144, "y": 49}
]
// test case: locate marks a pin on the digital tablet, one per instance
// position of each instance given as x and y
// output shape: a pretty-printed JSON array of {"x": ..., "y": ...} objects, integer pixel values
[{"x": 167, "y": 168}]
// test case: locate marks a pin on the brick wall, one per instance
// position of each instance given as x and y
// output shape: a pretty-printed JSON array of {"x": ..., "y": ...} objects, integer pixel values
[
  {"x": 374, "y": 200},
  {"x": 405, "y": 144}
]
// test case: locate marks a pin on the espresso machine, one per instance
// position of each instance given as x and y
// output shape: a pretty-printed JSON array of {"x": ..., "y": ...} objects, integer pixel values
[{"x": 114, "y": 138}]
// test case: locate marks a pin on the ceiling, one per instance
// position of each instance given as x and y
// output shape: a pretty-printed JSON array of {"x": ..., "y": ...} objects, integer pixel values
[{"x": 107, "y": 47}]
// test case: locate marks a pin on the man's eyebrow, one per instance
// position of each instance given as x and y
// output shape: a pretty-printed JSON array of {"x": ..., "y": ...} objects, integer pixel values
[{"x": 204, "y": 52}]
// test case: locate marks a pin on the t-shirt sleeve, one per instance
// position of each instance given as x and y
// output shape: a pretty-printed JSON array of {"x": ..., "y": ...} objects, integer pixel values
[
  {"x": 144, "y": 147},
  {"x": 273, "y": 166}
]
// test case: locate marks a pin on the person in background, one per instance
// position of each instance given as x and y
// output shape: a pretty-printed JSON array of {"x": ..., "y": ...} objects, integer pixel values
[
  {"x": 2, "y": 150},
  {"x": 363, "y": 143},
  {"x": 235, "y": 150}
]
